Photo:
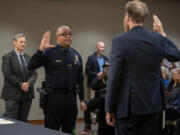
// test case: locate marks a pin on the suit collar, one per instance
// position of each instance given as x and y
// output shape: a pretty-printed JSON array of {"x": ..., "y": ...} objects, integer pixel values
[
  {"x": 17, "y": 53},
  {"x": 62, "y": 48},
  {"x": 15, "y": 57},
  {"x": 96, "y": 61},
  {"x": 137, "y": 28},
  {"x": 97, "y": 55}
]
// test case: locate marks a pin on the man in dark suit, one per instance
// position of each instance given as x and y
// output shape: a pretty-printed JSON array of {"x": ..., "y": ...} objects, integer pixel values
[
  {"x": 18, "y": 90},
  {"x": 133, "y": 98},
  {"x": 95, "y": 62},
  {"x": 94, "y": 69}
]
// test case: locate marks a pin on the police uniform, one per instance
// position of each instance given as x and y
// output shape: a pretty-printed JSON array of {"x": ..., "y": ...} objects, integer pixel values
[{"x": 63, "y": 74}]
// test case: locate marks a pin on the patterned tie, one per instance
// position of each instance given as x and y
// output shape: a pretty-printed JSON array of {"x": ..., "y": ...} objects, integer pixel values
[{"x": 23, "y": 65}]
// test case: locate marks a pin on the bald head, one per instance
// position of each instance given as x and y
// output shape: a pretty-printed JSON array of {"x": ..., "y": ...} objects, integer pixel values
[
  {"x": 61, "y": 28},
  {"x": 99, "y": 43},
  {"x": 137, "y": 11},
  {"x": 100, "y": 47}
]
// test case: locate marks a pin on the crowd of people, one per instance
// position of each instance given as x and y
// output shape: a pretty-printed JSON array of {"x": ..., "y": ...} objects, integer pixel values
[
  {"x": 171, "y": 80},
  {"x": 132, "y": 88}
]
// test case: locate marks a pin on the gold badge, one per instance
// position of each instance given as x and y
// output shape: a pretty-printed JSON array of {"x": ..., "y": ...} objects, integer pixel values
[
  {"x": 76, "y": 58},
  {"x": 58, "y": 61}
]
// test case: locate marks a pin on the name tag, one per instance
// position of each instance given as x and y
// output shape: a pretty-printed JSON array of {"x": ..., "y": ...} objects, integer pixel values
[{"x": 58, "y": 61}]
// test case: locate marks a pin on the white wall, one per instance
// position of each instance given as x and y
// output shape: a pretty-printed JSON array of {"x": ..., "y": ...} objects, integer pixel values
[{"x": 90, "y": 20}]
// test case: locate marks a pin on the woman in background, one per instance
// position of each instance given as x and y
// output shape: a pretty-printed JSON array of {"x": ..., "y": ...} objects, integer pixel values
[
  {"x": 165, "y": 74},
  {"x": 173, "y": 96}
]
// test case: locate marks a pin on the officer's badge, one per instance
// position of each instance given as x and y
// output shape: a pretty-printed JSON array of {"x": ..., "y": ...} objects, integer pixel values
[
  {"x": 76, "y": 58},
  {"x": 58, "y": 61}
]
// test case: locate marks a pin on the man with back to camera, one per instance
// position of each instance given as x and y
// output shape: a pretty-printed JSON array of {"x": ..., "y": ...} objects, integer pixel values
[
  {"x": 63, "y": 78},
  {"x": 133, "y": 96},
  {"x": 94, "y": 68},
  {"x": 18, "y": 89}
]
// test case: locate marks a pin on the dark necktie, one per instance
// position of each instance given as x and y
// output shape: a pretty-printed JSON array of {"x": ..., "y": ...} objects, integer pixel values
[{"x": 23, "y": 66}]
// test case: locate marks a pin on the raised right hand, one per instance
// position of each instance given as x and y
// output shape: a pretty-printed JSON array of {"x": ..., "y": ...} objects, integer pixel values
[
  {"x": 157, "y": 26},
  {"x": 45, "y": 42}
]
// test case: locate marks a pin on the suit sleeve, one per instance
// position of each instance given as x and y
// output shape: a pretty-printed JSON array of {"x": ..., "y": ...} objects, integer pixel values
[
  {"x": 89, "y": 66},
  {"x": 171, "y": 52},
  {"x": 32, "y": 79},
  {"x": 37, "y": 60},
  {"x": 7, "y": 72},
  {"x": 114, "y": 75}
]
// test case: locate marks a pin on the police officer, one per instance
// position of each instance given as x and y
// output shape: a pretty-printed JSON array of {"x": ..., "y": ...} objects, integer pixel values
[{"x": 63, "y": 79}]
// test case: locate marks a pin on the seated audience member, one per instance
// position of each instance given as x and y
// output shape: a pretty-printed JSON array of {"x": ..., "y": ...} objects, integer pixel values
[
  {"x": 94, "y": 69},
  {"x": 173, "y": 96},
  {"x": 99, "y": 84},
  {"x": 165, "y": 74}
]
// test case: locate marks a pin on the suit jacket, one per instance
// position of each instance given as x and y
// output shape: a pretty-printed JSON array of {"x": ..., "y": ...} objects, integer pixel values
[
  {"x": 13, "y": 77},
  {"x": 92, "y": 67},
  {"x": 135, "y": 79}
]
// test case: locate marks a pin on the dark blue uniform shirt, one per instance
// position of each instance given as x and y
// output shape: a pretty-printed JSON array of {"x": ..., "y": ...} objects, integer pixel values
[{"x": 63, "y": 68}]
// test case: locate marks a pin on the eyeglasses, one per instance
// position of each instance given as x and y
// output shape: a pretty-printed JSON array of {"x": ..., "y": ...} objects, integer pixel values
[{"x": 65, "y": 34}]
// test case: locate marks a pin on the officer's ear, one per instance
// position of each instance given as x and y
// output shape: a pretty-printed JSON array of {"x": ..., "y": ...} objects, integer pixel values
[{"x": 56, "y": 37}]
